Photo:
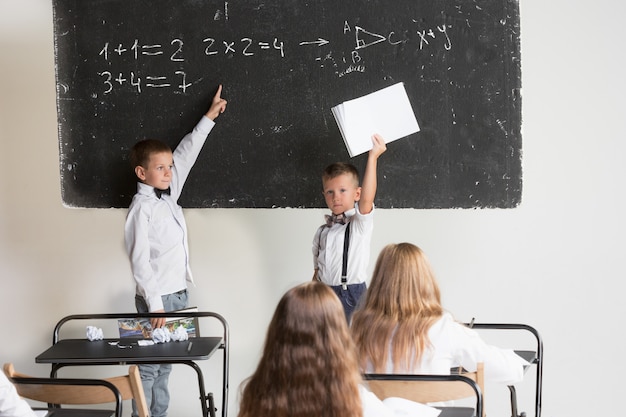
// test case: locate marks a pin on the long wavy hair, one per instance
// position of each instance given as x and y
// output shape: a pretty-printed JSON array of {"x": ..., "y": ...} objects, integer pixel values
[
  {"x": 403, "y": 301},
  {"x": 309, "y": 366}
]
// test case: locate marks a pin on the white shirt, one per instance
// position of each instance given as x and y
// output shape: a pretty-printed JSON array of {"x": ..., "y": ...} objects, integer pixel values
[
  {"x": 328, "y": 248},
  {"x": 453, "y": 345},
  {"x": 156, "y": 232},
  {"x": 11, "y": 404}
]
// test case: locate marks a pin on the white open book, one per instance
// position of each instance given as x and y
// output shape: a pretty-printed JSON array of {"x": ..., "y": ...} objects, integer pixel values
[
  {"x": 387, "y": 112},
  {"x": 403, "y": 407}
]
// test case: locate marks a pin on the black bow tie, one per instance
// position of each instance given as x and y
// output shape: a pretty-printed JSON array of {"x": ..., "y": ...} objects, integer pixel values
[
  {"x": 159, "y": 192},
  {"x": 335, "y": 218}
]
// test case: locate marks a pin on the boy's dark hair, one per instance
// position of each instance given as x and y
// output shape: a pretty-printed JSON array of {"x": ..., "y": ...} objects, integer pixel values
[
  {"x": 142, "y": 151},
  {"x": 340, "y": 168}
]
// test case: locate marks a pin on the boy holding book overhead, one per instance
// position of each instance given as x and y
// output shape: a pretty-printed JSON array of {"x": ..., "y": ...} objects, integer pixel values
[{"x": 341, "y": 246}]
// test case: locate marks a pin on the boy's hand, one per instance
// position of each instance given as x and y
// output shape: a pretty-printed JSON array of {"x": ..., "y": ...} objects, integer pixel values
[
  {"x": 379, "y": 146},
  {"x": 316, "y": 276},
  {"x": 157, "y": 322},
  {"x": 218, "y": 105}
]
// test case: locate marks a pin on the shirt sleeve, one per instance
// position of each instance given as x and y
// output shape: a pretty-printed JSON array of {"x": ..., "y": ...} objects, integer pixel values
[
  {"x": 138, "y": 249},
  {"x": 186, "y": 154},
  {"x": 372, "y": 405},
  {"x": 501, "y": 365},
  {"x": 363, "y": 221},
  {"x": 316, "y": 246},
  {"x": 11, "y": 404}
]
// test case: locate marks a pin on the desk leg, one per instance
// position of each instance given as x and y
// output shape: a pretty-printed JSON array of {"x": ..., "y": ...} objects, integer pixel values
[
  {"x": 53, "y": 374},
  {"x": 208, "y": 407},
  {"x": 55, "y": 368},
  {"x": 514, "y": 402},
  {"x": 211, "y": 404}
]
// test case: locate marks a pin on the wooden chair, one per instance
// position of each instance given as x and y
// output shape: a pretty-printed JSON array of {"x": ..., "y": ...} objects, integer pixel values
[
  {"x": 431, "y": 388},
  {"x": 80, "y": 391}
]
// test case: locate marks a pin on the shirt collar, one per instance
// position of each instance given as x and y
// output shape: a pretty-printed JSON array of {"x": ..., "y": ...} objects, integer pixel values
[{"x": 145, "y": 189}]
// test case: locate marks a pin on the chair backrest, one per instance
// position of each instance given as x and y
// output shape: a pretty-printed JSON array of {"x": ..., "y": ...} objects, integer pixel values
[
  {"x": 431, "y": 388},
  {"x": 79, "y": 391}
]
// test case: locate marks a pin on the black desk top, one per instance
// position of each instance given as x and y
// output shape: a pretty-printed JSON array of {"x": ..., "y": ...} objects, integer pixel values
[
  {"x": 529, "y": 355},
  {"x": 456, "y": 412},
  {"x": 107, "y": 351}
]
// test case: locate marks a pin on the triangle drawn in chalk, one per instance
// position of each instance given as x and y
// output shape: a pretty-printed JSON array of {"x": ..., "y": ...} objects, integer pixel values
[{"x": 365, "y": 38}]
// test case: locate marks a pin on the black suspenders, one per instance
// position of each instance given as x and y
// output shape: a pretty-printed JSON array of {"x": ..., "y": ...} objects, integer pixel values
[{"x": 344, "y": 266}]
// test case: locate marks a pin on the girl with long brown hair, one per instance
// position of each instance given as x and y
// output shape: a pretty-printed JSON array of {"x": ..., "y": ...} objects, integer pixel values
[{"x": 309, "y": 366}]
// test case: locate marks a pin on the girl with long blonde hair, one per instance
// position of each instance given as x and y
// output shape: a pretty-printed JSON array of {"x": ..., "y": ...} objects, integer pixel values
[{"x": 403, "y": 328}]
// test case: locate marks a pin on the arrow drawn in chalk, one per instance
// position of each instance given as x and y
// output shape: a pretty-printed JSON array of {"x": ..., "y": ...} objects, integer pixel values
[{"x": 319, "y": 42}]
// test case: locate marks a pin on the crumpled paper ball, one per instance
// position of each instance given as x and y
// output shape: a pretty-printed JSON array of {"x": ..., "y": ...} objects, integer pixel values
[
  {"x": 161, "y": 335},
  {"x": 94, "y": 333},
  {"x": 180, "y": 334}
]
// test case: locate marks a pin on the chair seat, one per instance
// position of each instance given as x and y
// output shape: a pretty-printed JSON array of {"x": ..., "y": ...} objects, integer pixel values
[{"x": 77, "y": 392}]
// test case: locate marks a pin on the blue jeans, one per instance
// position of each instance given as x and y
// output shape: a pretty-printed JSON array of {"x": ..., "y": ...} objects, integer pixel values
[
  {"x": 350, "y": 297},
  {"x": 154, "y": 377}
]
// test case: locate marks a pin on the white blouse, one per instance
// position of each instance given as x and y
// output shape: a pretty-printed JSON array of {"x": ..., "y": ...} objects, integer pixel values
[{"x": 453, "y": 344}]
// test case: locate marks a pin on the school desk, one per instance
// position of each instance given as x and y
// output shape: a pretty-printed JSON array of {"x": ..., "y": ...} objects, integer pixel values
[
  {"x": 124, "y": 351},
  {"x": 533, "y": 357}
]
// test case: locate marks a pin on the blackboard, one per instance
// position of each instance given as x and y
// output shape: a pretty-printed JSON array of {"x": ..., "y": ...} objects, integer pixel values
[{"x": 133, "y": 69}]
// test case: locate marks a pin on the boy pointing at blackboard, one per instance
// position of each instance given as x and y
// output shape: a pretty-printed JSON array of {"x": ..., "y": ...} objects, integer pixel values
[
  {"x": 156, "y": 237},
  {"x": 341, "y": 247}
]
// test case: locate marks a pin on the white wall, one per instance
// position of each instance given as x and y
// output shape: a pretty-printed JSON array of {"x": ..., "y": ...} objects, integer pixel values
[{"x": 554, "y": 262}]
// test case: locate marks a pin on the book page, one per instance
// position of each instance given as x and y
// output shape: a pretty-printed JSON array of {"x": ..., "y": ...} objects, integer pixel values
[
  {"x": 387, "y": 112},
  {"x": 189, "y": 323},
  {"x": 141, "y": 328},
  {"x": 404, "y": 407}
]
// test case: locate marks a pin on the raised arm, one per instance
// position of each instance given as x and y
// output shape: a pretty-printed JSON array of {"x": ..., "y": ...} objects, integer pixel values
[
  {"x": 368, "y": 187},
  {"x": 218, "y": 105}
]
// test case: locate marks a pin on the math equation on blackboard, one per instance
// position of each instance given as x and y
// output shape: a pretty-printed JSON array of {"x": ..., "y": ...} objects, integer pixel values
[{"x": 175, "y": 51}]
